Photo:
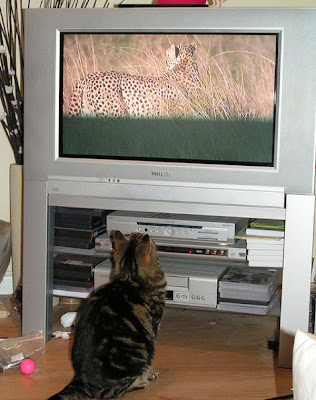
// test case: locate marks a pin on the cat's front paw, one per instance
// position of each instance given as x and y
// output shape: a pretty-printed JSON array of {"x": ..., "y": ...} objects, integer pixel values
[
  {"x": 153, "y": 375},
  {"x": 140, "y": 383}
]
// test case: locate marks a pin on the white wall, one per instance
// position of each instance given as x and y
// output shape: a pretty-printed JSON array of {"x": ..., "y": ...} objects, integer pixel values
[{"x": 6, "y": 158}]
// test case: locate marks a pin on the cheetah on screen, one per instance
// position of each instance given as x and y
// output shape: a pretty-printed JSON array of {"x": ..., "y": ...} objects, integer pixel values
[{"x": 116, "y": 94}]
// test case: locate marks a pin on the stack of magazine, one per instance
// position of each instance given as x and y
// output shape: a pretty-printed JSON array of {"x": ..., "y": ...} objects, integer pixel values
[{"x": 248, "y": 290}]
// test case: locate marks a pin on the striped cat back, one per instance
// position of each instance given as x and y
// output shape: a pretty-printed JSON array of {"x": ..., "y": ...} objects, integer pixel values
[{"x": 116, "y": 331}]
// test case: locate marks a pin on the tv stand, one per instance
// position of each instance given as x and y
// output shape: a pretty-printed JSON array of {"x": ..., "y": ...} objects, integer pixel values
[{"x": 41, "y": 196}]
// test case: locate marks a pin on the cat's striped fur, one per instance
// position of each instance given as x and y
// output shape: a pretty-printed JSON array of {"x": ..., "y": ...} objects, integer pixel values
[{"x": 116, "y": 332}]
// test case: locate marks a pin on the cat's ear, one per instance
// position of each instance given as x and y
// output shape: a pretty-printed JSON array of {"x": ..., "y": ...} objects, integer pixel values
[
  {"x": 145, "y": 244},
  {"x": 143, "y": 250},
  {"x": 171, "y": 51},
  {"x": 118, "y": 239}
]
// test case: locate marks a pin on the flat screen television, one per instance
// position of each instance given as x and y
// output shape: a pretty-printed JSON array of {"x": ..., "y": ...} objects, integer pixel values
[
  {"x": 188, "y": 96},
  {"x": 214, "y": 103}
]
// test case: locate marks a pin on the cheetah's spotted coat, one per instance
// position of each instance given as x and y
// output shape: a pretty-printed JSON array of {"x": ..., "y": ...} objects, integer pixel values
[{"x": 119, "y": 94}]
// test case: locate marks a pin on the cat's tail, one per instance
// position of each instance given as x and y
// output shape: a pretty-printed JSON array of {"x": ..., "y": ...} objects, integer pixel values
[
  {"x": 77, "y": 390},
  {"x": 72, "y": 392}
]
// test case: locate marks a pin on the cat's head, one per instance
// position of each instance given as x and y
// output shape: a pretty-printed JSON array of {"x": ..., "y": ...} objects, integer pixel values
[{"x": 135, "y": 257}]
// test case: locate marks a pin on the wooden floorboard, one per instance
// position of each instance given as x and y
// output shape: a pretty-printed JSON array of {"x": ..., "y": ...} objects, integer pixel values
[{"x": 201, "y": 355}]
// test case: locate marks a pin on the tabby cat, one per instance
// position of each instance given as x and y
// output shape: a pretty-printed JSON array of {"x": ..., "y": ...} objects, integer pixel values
[{"x": 116, "y": 332}]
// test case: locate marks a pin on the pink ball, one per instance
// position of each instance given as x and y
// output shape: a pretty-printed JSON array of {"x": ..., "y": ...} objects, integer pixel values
[{"x": 27, "y": 366}]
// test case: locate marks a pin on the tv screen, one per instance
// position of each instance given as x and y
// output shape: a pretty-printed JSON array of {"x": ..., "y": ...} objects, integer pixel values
[{"x": 206, "y": 98}]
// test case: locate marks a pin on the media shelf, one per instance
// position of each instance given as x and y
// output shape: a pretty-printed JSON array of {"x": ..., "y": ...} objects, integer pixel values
[
  {"x": 41, "y": 197},
  {"x": 195, "y": 252}
]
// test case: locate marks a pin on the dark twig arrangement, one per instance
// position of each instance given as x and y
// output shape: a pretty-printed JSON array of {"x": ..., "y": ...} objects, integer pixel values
[
  {"x": 11, "y": 59},
  {"x": 11, "y": 66}
]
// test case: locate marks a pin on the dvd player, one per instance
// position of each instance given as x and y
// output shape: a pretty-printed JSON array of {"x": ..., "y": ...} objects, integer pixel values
[
  {"x": 188, "y": 285},
  {"x": 161, "y": 225}
]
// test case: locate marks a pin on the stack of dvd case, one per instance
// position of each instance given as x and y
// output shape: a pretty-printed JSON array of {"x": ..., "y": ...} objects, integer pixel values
[
  {"x": 78, "y": 227},
  {"x": 75, "y": 272},
  {"x": 248, "y": 290}
]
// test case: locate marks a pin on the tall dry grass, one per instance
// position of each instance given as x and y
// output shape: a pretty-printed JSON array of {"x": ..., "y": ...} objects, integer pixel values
[{"x": 237, "y": 72}]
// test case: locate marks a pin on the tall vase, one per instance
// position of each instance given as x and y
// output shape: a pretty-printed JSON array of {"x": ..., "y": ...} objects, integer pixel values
[{"x": 16, "y": 217}]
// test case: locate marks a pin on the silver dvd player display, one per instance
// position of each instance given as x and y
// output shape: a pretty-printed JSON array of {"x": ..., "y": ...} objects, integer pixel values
[
  {"x": 188, "y": 285},
  {"x": 162, "y": 225},
  {"x": 172, "y": 247}
]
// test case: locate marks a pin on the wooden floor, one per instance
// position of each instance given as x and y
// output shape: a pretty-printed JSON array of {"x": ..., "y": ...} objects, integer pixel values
[{"x": 201, "y": 355}]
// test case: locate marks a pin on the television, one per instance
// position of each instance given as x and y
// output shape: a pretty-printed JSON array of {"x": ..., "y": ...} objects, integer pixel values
[{"x": 180, "y": 97}]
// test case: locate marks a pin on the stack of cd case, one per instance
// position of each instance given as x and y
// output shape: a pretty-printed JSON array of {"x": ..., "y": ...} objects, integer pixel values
[
  {"x": 248, "y": 290},
  {"x": 78, "y": 227},
  {"x": 75, "y": 272}
]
